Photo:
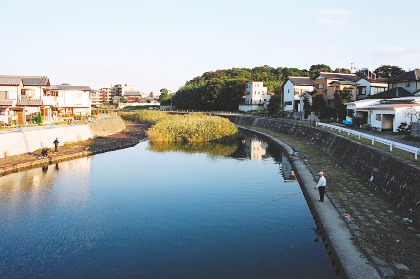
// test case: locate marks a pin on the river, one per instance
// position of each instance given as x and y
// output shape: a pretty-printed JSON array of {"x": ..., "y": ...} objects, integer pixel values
[{"x": 161, "y": 211}]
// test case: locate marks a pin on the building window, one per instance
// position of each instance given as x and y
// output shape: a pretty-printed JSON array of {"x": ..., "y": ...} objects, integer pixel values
[
  {"x": 407, "y": 84},
  {"x": 288, "y": 103},
  {"x": 320, "y": 86},
  {"x": 4, "y": 95},
  {"x": 379, "y": 117}
]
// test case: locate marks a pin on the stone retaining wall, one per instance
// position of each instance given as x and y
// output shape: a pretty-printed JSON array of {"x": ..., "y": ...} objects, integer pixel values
[
  {"x": 34, "y": 138},
  {"x": 397, "y": 179}
]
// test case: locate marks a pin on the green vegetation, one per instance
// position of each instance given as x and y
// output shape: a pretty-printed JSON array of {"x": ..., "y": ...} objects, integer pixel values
[
  {"x": 38, "y": 119},
  {"x": 144, "y": 116},
  {"x": 194, "y": 127}
]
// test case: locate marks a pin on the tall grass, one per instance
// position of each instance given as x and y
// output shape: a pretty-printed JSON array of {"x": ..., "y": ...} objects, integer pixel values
[
  {"x": 192, "y": 128},
  {"x": 144, "y": 116}
]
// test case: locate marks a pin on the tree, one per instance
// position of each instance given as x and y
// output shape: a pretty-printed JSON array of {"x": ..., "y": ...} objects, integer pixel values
[
  {"x": 341, "y": 97},
  {"x": 319, "y": 105},
  {"x": 165, "y": 97},
  {"x": 274, "y": 105},
  {"x": 342, "y": 71},
  {"x": 151, "y": 95},
  {"x": 314, "y": 70},
  {"x": 387, "y": 71},
  {"x": 307, "y": 108},
  {"x": 38, "y": 118}
]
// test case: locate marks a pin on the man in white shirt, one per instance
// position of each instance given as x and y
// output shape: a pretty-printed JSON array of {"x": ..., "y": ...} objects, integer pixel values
[{"x": 322, "y": 182}]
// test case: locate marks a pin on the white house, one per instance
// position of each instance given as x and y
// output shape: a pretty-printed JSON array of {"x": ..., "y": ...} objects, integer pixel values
[
  {"x": 293, "y": 91},
  {"x": 21, "y": 98},
  {"x": 410, "y": 81},
  {"x": 368, "y": 87},
  {"x": 256, "y": 97},
  {"x": 256, "y": 93},
  {"x": 66, "y": 99},
  {"x": 386, "y": 114}
]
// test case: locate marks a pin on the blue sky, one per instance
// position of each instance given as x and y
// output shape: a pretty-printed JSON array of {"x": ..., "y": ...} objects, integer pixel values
[{"x": 162, "y": 44}]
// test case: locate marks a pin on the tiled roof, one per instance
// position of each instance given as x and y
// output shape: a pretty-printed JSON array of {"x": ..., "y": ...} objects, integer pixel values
[
  {"x": 25, "y": 101},
  {"x": 339, "y": 76},
  {"x": 26, "y": 80},
  {"x": 409, "y": 76},
  {"x": 303, "y": 81},
  {"x": 35, "y": 81},
  {"x": 10, "y": 80},
  {"x": 6, "y": 102},
  {"x": 68, "y": 87},
  {"x": 391, "y": 93}
]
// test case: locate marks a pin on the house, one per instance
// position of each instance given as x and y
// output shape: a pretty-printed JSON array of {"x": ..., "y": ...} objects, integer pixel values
[
  {"x": 326, "y": 83},
  {"x": 67, "y": 99},
  {"x": 293, "y": 91},
  {"x": 410, "y": 81},
  {"x": 396, "y": 92},
  {"x": 386, "y": 114},
  {"x": 132, "y": 96},
  {"x": 21, "y": 98},
  {"x": 256, "y": 97},
  {"x": 367, "y": 87}
]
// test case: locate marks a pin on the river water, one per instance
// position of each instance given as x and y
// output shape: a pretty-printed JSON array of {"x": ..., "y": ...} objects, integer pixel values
[{"x": 161, "y": 211}]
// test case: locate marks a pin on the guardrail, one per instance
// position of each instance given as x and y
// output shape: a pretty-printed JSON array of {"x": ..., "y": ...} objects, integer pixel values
[{"x": 390, "y": 143}]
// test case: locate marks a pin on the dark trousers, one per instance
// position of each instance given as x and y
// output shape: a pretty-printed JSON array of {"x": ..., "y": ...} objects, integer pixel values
[{"x": 321, "y": 190}]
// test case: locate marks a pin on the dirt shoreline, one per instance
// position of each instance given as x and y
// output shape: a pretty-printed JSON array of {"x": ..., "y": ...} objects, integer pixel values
[{"x": 130, "y": 136}]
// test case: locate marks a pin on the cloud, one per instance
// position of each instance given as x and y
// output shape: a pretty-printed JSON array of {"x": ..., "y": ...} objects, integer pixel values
[
  {"x": 397, "y": 51},
  {"x": 332, "y": 17}
]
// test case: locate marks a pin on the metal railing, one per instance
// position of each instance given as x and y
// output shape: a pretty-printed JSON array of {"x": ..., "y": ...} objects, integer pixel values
[{"x": 373, "y": 139}]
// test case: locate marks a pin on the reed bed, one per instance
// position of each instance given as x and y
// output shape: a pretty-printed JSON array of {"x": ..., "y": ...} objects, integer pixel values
[
  {"x": 144, "y": 116},
  {"x": 196, "y": 127}
]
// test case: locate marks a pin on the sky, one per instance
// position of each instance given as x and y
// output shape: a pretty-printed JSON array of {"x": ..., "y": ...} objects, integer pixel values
[{"x": 159, "y": 44}]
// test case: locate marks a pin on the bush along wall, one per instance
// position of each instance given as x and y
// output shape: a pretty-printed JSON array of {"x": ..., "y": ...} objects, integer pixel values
[{"x": 397, "y": 179}]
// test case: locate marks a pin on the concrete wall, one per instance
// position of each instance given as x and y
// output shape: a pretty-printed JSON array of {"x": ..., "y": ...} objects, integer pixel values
[
  {"x": 397, "y": 179},
  {"x": 34, "y": 138}
]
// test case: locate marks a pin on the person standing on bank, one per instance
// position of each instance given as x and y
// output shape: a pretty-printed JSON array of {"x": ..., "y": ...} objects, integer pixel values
[
  {"x": 56, "y": 144},
  {"x": 322, "y": 182}
]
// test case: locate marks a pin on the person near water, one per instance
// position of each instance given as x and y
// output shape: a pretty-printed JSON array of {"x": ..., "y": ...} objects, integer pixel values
[
  {"x": 320, "y": 186},
  {"x": 56, "y": 144}
]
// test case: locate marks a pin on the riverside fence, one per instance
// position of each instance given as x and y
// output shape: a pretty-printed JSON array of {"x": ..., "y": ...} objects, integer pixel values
[{"x": 392, "y": 144}]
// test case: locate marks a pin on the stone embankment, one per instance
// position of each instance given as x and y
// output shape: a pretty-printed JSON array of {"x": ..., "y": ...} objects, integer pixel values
[
  {"x": 395, "y": 178},
  {"x": 130, "y": 136},
  {"x": 33, "y": 138}
]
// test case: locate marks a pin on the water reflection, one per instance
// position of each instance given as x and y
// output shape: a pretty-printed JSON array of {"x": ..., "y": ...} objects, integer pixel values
[
  {"x": 37, "y": 184},
  {"x": 212, "y": 149}
]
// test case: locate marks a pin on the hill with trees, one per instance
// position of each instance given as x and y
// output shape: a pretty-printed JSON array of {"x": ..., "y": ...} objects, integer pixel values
[{"x": 224, "y": 89}]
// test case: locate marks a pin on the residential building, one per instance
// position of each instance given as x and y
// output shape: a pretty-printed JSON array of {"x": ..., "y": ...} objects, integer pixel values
[
  {"x": 327, "y": 83},
  {"x": 21, "y": 98},
  {"x": 120, "y": 89},
  {"x": 256, "y": 97},
  {"x": 95, "y": 97},
  {"x": 386, "y": 114},
  {"x": 256, "y": 93},
  {"x": 410, "y": 81},
  {"x": 293, "y": 89},
  {"x": 370, "y": 86},
  {"x": 66, "y": 99},
  {"x": 133, "y": 96}
]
